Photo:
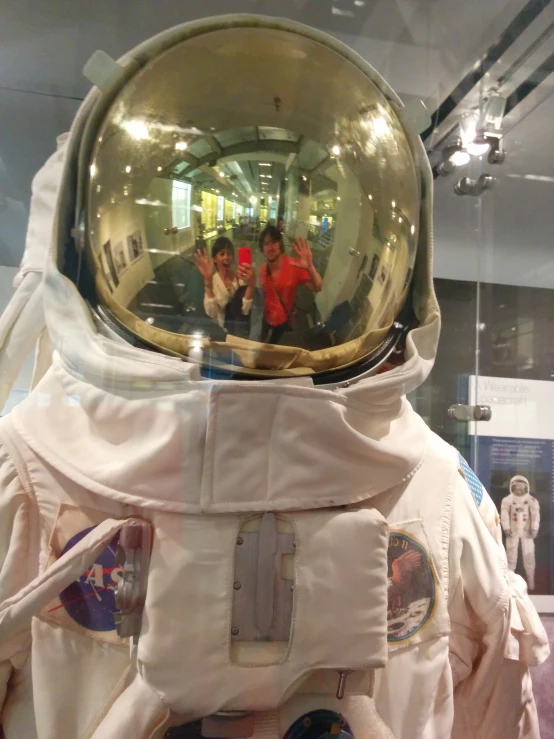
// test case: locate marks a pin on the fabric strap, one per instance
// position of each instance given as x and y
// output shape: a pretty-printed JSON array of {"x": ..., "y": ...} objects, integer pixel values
[{"x": 16, "y": 612}]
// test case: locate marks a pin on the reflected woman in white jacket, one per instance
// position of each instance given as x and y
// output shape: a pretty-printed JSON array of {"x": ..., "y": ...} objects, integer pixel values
[{"x": 221, "y": 282}]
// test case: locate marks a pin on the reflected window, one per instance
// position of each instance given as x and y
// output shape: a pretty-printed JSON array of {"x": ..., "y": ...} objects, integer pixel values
[
  {"x": 180, "y": 204},
  {"x": 513, "y": 346}
]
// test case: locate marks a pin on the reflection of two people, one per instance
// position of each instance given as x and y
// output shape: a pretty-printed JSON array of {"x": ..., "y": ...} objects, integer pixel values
[
  {"x": 221, "y": 282},
  {"x": 280, "y": 277}
]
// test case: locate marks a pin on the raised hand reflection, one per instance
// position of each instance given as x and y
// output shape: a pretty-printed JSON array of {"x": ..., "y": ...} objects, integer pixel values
[
  {"x": 228, "y": 295},
  {"x": 280, "y": 277}
]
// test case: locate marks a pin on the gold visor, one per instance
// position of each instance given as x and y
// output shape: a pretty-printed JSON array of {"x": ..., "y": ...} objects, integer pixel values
[{"x": 212, "y": 149}]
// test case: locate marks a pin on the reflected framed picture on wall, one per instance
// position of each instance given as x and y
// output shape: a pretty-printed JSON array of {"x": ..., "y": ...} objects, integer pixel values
[
  {"x": 107, "y": 249},
  {"x": 135, "y": 247},
  {"x": 119, "y": 258},
  {"x": 374, "y": 265}
]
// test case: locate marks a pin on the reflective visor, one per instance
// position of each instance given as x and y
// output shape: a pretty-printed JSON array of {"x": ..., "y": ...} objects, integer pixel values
[{"x": 253, "y": 204}]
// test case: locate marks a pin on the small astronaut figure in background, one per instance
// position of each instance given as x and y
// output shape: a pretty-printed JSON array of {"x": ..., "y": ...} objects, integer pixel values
[{"x": 520, "y": 518}]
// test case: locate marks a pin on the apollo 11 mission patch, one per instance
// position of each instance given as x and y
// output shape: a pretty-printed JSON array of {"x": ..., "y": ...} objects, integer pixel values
[{"x": 412, "y": 587}]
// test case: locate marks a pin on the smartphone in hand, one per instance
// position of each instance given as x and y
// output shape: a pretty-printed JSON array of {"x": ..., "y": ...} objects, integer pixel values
[{"x": 244, "y": 255}]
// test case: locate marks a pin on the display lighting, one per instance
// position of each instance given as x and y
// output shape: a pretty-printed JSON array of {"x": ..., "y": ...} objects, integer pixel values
[
  {"x": 459, "y": 158},
  {"x": 453, "y": 155},
  {"x": 222, "y": 174},
  {"x": 335, "y": 150},
  {"x": 128, "y": 168},
  {"x": 181, "y": 145},
  {"x": 468, "y": 134}
]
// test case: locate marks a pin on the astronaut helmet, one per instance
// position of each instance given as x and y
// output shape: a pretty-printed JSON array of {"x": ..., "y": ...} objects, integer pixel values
[
  {"x": 250, "y": 199},
  {"x": 519, "y": 486}
]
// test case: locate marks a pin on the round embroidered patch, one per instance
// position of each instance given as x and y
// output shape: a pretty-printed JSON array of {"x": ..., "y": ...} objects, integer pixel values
[
  {"x": 90, "y": 600},
  {"x": 411, "y": 593}
]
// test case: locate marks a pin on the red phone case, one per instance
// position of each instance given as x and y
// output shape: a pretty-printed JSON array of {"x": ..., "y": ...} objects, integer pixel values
[{"x": 244, "y": 255}]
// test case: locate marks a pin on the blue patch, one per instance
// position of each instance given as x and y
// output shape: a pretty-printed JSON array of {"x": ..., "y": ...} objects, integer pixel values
[
  {"x": 90, "y": 600},
  {"x": 473, "y": 481},
  {"x": 412, "y": 587}
]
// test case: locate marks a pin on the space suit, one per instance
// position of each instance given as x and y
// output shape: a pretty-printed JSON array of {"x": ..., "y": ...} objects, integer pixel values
[
  {"x": 520, "y": 519},
  {"x": 205, "y": 535}
]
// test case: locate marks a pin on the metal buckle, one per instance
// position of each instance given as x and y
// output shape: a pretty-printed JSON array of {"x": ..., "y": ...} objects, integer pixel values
[
  {"x": 263, "y": 598},
  {"x": 133, "y": 553}
]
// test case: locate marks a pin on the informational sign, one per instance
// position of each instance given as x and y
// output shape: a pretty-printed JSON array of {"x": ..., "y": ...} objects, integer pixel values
[{"x": 514, "y": 459}]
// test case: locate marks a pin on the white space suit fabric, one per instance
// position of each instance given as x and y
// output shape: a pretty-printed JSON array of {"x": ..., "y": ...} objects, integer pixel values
[
  {"x": 520, "y": 519},
  {"x": 398, "y": 573}
]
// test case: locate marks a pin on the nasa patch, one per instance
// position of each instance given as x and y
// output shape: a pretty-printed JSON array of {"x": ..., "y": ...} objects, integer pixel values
[
  {"x": 90, "y": 600},
  {"x": 412, "y": 591}
]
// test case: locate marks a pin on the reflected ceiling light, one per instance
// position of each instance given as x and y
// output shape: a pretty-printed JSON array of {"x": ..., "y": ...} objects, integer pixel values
[
  {"x": 269, "y": 176},
  {"x": 335, "y": 150},
  {"x": 137, "y": 129},
  {"x": 394, "y": 203},
  {"x": 181, "y": 145},
  {"x": 359, "y": 3},
  {"x": 128, "y": 168},
  {"x": 217, "y": 191},
  {"x": 253, "y": 199},
  {"x": 380, "y": 125},
  {"x": 150, "y": 320},
  {"x": 222, "y": 174},
  {"x": 370, "y": 197},
  {"x": 159, "y": 169},
  {"x": 304, "y": 178},
  {"x": 145, "y": 201},
  {"x": 340, "y": 11},
  {"x": 93, "y": 170},
  {"x": 338, "y": 197},
  {"x": 399, "y": 219},
  {"x": 412, "y": 230},
  {"x": 264, "y": 164}
]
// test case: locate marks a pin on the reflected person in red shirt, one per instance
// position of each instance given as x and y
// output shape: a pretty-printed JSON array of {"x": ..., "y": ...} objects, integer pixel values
[{"x": 280, "y": 277}]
